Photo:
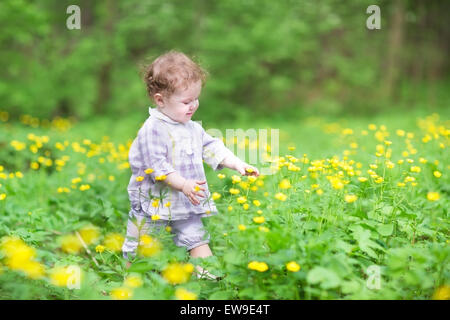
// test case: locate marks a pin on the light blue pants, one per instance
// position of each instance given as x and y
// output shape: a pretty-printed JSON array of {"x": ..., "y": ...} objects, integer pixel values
[{"x": 189, "y": 233}]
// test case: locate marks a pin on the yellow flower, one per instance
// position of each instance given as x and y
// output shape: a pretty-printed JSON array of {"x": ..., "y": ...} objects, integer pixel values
[
  {"x": 155, "y": 217},
  {"x": 263, "y": 229},
  {"x": 113, "y": 241},
  {"x": 99, "y": 248},
  {"x": 133, "y": 281},
  {"x": 256, "y": 203},
  {"x": 70, "y": 244},
  {"x": 168, "y": 228},
  {"x": 258, "y": 219},
  {"x": 221, "y": 176},
  {"x": 89, "y": 234},
  {"x": 139, "y": 178},
  {"x": 33, "y": 269},
  {"x": 235, "y": 179},
  {"x": 292, "y": 266},
  {"x": 84, "y": 187},
  {"x": 246, "y": 206},
  {"x": 183, "y": 294},
  {"x": 148, "y": 171},
  {"x": 258, "y": 266},
  {"x": 415, "y": 169},
  {"x": 442, "y": 293},
  {"x": 242, "y": 227},
  {"x": 234, "y": 191},
  {"x": 155, "y": 203},
  {"x": 362, "y": 179},
  {"x": 76, "y": 180},
  {"x": 2, "y": 196},
  {"x": 60, "y": 276},
  {"x": 379, "y": 180},
  {"x": 121, "y": 293},
  {"x": 437, "y": 174},
  {"x": 148, "y": 246},
  {"x": 230, "y": 208},
  {"x": 176, "y": 273},
  {"x": 280, "y": 196},
  {"x": 242, "y": 199},
  {"x": 284, "y": 184},
  {"x": 249, "y": 170},
  {"x": 350, "y": 198},
  {"x": 161, "y": 177},
  {"x": 167, "y": 204},
  {"x": 216, "y": 195},
  {"x": 433, "y": 196}
]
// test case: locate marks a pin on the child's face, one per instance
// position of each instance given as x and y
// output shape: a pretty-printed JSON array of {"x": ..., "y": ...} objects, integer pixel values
[{"x": 182, "y": 104}]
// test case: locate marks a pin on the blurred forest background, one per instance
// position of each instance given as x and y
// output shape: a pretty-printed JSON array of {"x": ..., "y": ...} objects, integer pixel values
[{"x": 265, "y": 58}]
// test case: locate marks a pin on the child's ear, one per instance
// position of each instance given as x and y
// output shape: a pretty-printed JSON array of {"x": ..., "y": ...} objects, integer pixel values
[{"x": 157, "y": 97}]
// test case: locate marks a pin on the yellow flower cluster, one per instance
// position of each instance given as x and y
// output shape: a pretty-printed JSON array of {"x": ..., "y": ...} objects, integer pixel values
[
  {"x": 258, "y": 266},
  {"x": 21, "y": 257},
  {"x": 148, "y": 246},
  {"x": 176, "y": 273}
]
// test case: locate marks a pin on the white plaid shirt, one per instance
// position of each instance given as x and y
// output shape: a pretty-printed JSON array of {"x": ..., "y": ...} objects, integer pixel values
[{"x": 165, "y": 146}]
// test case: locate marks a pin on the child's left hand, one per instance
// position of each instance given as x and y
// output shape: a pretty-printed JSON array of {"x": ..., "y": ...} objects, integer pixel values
[{"x": 246, "y": 169}]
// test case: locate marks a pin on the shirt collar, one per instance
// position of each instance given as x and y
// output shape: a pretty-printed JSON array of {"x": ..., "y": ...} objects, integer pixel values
[{"x": 154, "y": 112}]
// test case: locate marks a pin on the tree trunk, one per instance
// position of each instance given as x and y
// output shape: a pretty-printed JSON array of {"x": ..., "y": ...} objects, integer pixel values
[{"x": 395, "y": 42}]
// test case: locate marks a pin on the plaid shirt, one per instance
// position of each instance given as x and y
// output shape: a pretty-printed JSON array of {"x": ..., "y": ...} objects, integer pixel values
[{"x": 165, "y": 146}]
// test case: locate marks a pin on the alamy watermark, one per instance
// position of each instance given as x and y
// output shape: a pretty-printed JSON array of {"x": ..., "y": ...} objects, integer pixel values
[
  {"x": 252, "y": 143},
  {"x": 373, "y": 277},
  {"x": 74, "y": 277},
  {"x": 74, "y": 20},
  {"x": 374, "y": 20}
]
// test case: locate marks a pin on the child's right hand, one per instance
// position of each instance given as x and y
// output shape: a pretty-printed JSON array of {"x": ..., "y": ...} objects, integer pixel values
[{"x": 191, "y": 189}]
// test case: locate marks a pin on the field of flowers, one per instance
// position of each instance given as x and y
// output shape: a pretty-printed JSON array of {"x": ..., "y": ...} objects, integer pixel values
[{"x": 353, "y": 210}]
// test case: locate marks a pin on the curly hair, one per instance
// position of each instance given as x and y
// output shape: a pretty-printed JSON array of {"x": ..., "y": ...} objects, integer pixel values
[{"x": 171, "y": 71}]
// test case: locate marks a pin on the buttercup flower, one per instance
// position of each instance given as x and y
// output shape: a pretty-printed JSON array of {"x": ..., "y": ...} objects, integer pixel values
[
  {"x": 433, "y": 196},
  {"x": 293, "y": 266},
  {"x": 183, "y": 294},
  {"x": 258, "y": 266},
  {"x": 121, "y": 293},
  {"x": 176, "y": 273},
  {"x": 133, "y": 281},
  {"x": 350, "y": 198}
]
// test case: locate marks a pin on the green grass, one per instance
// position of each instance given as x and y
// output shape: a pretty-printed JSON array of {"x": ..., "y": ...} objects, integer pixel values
[{"x": 394, "y": 228}]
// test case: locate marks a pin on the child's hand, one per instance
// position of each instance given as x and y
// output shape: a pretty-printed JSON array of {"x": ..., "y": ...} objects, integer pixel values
[
  {"x": 246, "y": 169},
  {"x": 191, "y": 189}
]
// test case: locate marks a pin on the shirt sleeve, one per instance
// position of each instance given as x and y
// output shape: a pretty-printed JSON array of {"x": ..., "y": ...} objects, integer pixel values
[
  {"x": 155, "y": 143},
  {"x": 214, "y": 151}
]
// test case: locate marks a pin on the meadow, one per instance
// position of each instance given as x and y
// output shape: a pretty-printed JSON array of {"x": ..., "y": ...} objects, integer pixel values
[{"x": 356, "y": 208}]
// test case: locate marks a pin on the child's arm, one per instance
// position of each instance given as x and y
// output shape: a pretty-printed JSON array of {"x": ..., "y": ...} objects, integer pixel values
[{"x": 234, "y": 163}]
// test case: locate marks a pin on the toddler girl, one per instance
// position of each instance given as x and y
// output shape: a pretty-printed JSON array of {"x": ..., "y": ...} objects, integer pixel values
[{"x": 168, "y": 180}]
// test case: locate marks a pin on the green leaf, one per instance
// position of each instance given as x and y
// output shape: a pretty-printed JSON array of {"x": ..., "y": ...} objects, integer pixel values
[
  {"x": 141, "y": 267},
  {"x": 220, "y": 295},
  {"x": 385, "y": 229},
  {"x": 325, "y": 277}
]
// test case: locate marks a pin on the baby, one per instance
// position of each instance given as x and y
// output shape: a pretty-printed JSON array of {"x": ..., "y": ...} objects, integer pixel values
[{"x": 168, "y": 185}]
